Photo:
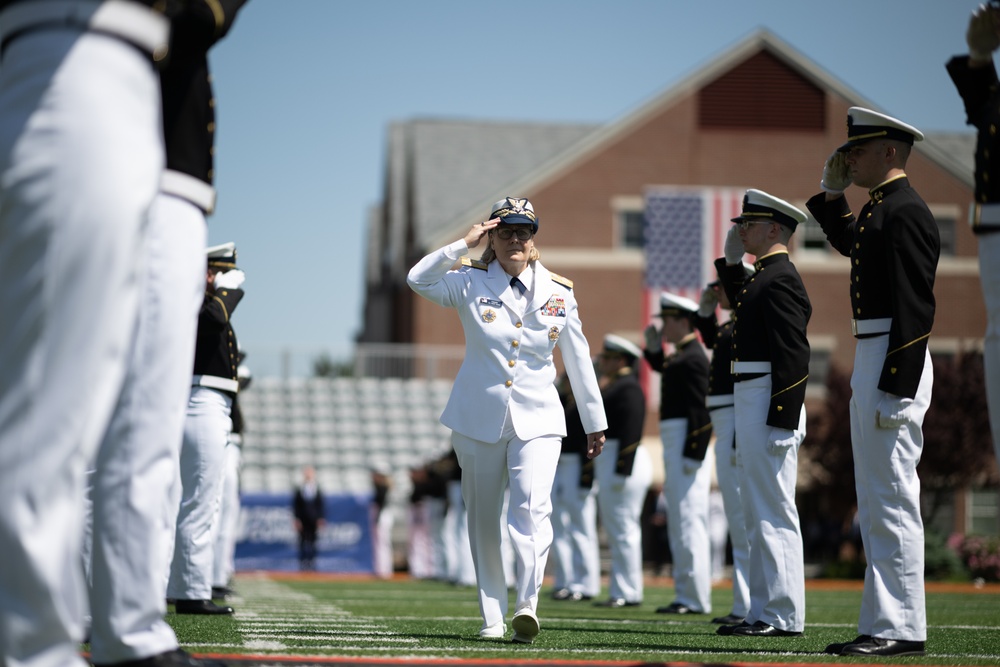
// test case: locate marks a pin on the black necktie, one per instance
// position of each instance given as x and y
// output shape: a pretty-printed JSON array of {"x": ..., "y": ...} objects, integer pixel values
[{"x": 518, "y": 285}]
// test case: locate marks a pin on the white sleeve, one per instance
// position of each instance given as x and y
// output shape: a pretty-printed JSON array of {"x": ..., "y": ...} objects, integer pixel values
[{"x": 431, "y": 276}]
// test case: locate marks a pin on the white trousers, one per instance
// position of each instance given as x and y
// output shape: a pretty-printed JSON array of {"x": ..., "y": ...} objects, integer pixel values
[
  {"x": 137, "y": 464},
  {"x": 620, "y": 500},
  {"x": 80, "y": 161},
  {"x": 885, "y": 471},
  {"x": 224, "y": 552},
  {"x": 530, "y": 468},
  {"x": 989, "y": 278},
  {"x": 727, "y": 474},
  {"x": 206, "y": 433},
  {"x": 687, "y": 519},
  {"x": 458, "y": 552},
  {"x": 767, "y": 488},
  {"x": 576, "y": 556},
  {"x": 383, "y": 561}
]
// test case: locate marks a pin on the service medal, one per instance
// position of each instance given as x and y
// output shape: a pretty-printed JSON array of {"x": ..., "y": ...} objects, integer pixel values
[
  {"x": 554, "y": 333},
  {"x": 489, "y": 315}
]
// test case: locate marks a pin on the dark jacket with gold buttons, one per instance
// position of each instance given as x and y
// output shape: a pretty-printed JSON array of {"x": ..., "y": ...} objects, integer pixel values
[
  {"x": 625, "y": 407},
  {"x": 188, "y": 103},
  {"x": 683, "y": 385},
  {"x": 216, "y": 351},
  {"x": 980, "y": 92},
  {"x": 894, "y": 247},
  {"x": 771, "y": 311},
  {"x": 719, "y": 337}
]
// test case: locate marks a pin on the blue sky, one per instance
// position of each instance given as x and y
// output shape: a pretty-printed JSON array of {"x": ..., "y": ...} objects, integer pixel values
[{"x": 305, "y": 90}]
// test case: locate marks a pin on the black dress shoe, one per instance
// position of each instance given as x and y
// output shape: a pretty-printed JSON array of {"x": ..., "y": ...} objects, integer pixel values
[
  {"x": 731, "y": 619},
  {"x": 727, "y": 630},
  {"x": 616, "y": 603},
  {"x": 762, "y": 629},
  {"x": 835, "y": 649},
  {"x": 884, "y": 647},
  {"x": 200, "y": 607},
  {"x": 175, "y": 658},
  {"x": 677, "y": 608},
  {"x": 221, "y": 592}
]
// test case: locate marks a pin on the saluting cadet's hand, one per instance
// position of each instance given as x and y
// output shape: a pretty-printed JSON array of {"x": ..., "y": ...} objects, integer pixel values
[
  {"x": 229, "y": 280},
  {"x": 653, "y": 339},
  {"x": 779, "y": 440},
  {"x": 733, "y": 247},
  {"x": 595, "y": 444},
  {"x": 892, "y": 411},
  {"x": 479, "y": 230},
  {"x": 835, "y": 175},
  {"x": 981, "y": 35},
  {"x": 709, "y": 300}
]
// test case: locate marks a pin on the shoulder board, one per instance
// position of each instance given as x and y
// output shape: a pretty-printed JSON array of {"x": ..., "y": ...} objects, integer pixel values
[
  {"x": 561, "y": 280},
  {"x": 475, "y": 263}
]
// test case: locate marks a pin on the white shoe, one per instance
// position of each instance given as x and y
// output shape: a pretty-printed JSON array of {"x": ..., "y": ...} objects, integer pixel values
[
  {"x": 525, "y": 625},
  {"x": 495, "y": 631}
]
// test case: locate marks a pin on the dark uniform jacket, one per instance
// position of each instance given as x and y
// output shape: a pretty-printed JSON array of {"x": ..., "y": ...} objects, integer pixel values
[
  {"x": 980, "y": 92},
  {"x": 625, "y": 407},
  {"x": 770, "y": 313},
  {"x": 683, "y": 385},
  {"x": 216, "y": 349},
  {"x": 308, "y": 511},
  {"x": 188, "y": 103},
  {"x": 720, "y": 376},
  {"x": 894, "y": 247},
  {"x": 575, "y": 440}
]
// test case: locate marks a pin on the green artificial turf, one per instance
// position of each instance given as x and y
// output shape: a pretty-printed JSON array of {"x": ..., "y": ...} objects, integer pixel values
[{"x": 431, "y": 620}]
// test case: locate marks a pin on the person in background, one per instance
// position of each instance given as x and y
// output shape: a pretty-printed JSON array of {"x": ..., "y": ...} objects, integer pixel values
[
  {"x": 207, "y": 428},
  {"x": 309, "y": 513},
  {"x": 770, "y": 366},
  {"x": 720, "y": 402},
  {"x": 624, "y": 472},
  {"x": 504, "y": 411},
  {"x": 382, "y": 521},
  {"x": 686, "y": 430},
  {"x": 894, "y": 246},
  {"x": 975, "y": 78}
]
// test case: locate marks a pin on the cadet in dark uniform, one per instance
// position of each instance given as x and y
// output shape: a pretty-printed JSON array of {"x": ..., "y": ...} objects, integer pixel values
[
  {"x": 310, "y": 515},
  {"x": 720, "y": 402},
  {"x": 206, "y": 433},
  {"x": 625, "y": 471},
  {"x": 770, "y": 364},
  {"x": 685, "y": 429},
  {"x": 975, "y": 77},
  {"x": 894, "y": 247}
]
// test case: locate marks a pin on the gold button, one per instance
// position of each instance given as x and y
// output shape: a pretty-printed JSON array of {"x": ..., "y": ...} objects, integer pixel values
[
  {"x": 211, "y": 127},
  {"x": 869, "y": 214},
  {"x": 857, "y": 262},
  {"x": 511, "y": 363},
  {"x": 857, "y": 295},
  {"x": 993, "y": 130},
  {"x": 507, "y": 383},
  {"x": 857, "y": 245},
  {"x": 779, "y": 408},
  {"x": 515, "y": 343},
  {"x": 859, "y": 311},
  {"x": 518, "y": 325}
]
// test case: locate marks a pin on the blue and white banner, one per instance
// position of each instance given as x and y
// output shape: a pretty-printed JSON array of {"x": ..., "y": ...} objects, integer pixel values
[{"x": 266, "y": 538}]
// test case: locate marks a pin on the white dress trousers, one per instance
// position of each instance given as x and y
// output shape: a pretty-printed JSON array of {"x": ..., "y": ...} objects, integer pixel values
[
  {"x": 727, "y": 474},
  {"x": 576, "y": 553},
  {"x": 767, "y": 488},
  {"x": 885, "y": 471},
  {"x": 203, "y": 452},
  {"x": 620, "y": 500},
  {"x": 224, "y": 552},
  {"x": 989, "y": 278},
  {"x": 137, "y": 465},
  {"x": 686, "y": 494},
  {"x": 458, "y": 552},
  {"x": 80, "y": 161}
]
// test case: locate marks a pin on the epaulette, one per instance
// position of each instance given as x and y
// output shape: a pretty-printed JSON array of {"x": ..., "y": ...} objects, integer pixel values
[
  {"x": 475, "y": 263},
  {"x": 561, "y": 280}
]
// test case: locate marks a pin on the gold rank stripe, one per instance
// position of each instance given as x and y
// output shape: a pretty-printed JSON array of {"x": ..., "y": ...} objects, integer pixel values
[
  {"x": 561, "y": 280},
  {"x": 218, "y": 13},
  {"x": 699, "y": 431},
  {"x": 223, "y": 304},
  {"x": 630, "y": 448},
  {"x": 867, "y": 136},
  {"x": 791, "y": 387},
  {"x": 912, "y": 342},
  {"x": 475, "y": 263}
]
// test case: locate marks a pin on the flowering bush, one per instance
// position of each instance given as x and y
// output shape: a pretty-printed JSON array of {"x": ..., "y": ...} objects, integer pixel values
[{"x": 981, "y": 555}]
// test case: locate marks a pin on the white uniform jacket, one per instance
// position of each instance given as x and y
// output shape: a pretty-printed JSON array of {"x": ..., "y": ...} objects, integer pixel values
[{"x": 508, "y": 357}]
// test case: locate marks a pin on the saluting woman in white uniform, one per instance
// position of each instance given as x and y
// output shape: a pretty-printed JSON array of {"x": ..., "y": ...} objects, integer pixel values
[{"x": 504, "y": 411}]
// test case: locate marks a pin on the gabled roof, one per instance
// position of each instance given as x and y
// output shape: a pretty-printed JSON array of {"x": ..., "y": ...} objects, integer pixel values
[{"x": 541, "y": 173}]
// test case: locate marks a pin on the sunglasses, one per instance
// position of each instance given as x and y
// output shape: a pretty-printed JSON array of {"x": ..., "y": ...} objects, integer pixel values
[
  {"x": 505, "y": 233},
  {"x": 745, "y": 224}
]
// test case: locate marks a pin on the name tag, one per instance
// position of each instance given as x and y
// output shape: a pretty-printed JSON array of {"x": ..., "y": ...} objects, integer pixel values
[{"x": 490, "y": 302}]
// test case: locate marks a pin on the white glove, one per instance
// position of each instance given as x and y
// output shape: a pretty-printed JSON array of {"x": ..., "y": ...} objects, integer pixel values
[
  {"x": 229, "y": 280},
  {"x": 981, "y": 35},
  {"x": 709, "y": 300},
  {"x": 733, "y": 249},
  {"x": 835, "y": 176},
  {"x": 653, "y": 339},
  {"x": 893, "y": 411},
  {"x": 690, "y": 466},
  {"x": 779, "y": 440}
]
